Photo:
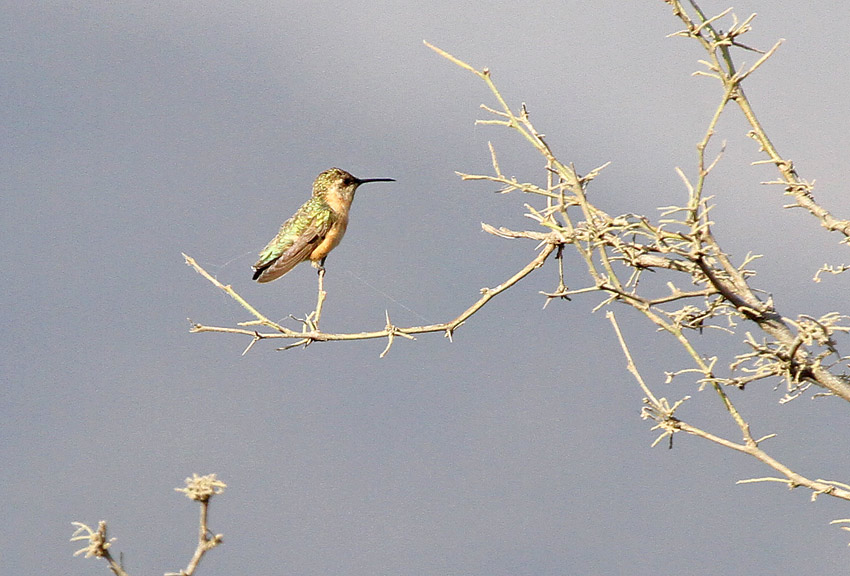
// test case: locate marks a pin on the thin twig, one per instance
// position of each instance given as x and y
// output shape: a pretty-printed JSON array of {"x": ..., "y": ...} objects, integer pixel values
[{"x": 315, "y": 335}]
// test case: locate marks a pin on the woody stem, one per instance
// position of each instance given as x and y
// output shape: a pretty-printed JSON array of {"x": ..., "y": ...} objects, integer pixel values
[{"x": 321, "y": 298}]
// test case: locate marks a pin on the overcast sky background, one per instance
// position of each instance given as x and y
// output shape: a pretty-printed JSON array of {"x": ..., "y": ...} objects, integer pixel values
[{"x": 133, "y": 131}]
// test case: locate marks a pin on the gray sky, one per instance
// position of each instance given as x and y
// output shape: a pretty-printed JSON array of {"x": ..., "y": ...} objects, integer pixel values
[{"x": 134, "y": 131}]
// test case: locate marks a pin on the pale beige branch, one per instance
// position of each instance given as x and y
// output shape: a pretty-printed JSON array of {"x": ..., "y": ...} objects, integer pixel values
[
  {"x": 198, "y": 488},
  {"x": 308, "y": 336}
]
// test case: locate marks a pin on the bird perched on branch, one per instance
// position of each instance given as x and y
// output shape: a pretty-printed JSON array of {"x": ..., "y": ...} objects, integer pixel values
[{"x": 315, "y": 229}]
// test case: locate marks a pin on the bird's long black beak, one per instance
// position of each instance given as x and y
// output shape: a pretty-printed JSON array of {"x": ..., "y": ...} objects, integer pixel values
[{"x": 366, "y": 180}]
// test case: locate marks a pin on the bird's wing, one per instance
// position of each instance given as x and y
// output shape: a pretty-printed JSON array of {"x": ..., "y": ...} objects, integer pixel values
[{"x": 282, "y": 254}]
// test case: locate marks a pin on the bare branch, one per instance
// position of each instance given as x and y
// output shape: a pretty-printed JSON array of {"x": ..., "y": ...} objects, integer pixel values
[
  {"x": 201, "y": 489},
  {"x": 313, "y": 334},
  {"x": 198, "y": 488},
  {"x": 97, "y": 545},
  {"x": 718, "y": 46}
]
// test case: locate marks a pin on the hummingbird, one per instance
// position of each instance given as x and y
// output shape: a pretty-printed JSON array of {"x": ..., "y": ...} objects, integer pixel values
[{"x": 315, "y": 229}]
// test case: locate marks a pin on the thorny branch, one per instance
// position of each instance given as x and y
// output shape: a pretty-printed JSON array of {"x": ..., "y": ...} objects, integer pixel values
[
  {"x": 706, "y": 288},
  {"x": 97, "y": 545},
  {"x": 198, "y": 488},
  {"x": 662, "y": 413},
  {"x": 681, "y": 242},
  {"x": 682, "y": 245},
  {"x": 310, "y": 332},
  {"x": 718, "y": 45}
]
